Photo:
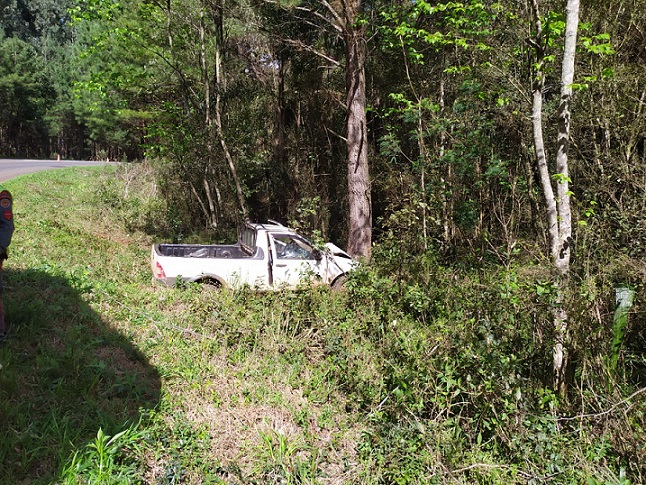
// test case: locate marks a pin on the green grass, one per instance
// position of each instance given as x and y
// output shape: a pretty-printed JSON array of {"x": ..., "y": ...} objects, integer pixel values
[{"x": 108, "y": 379}]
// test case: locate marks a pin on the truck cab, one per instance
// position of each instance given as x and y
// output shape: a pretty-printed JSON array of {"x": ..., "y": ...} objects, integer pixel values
[{"x": 294, "y": 260}]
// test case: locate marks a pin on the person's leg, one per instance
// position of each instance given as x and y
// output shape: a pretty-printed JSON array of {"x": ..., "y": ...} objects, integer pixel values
[{"x": 2, "y": 324}]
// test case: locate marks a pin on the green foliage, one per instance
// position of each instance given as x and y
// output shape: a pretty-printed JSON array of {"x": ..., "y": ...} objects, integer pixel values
[
  {"x": 466, "y": 386},
  {"x": 458, "y": 24},
  {"x": 24, "y": 95},
  {"x": 448, "y": 127},
  {"x": 598, "y": 44},
  {"x": 419, "y": 371}
]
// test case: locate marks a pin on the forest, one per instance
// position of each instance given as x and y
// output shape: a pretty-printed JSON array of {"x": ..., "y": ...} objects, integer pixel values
[{"x": 493, "y": 151}]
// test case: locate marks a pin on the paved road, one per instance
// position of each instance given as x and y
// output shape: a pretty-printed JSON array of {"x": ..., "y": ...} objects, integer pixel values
[{"x": 10, "y": 168}]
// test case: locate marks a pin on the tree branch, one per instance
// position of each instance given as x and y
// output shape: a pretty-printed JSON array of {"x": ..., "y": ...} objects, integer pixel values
[
  {"x": 341, "y": 24},
  {"x": 308, "y": 48},
  {"x": 607, "y": 411}
]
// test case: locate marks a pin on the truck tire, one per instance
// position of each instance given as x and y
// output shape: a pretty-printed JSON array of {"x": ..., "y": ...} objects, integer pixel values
[
  {"x": 339, "y": 283},
  {"x": 210, "y": 284}
]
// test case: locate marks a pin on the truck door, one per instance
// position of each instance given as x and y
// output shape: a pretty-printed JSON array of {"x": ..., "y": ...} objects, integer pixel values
[{"x": 294, "y": 261}]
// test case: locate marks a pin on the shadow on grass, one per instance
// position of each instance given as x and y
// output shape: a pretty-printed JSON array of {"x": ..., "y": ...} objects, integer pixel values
[{"x": 65, "y": 374}]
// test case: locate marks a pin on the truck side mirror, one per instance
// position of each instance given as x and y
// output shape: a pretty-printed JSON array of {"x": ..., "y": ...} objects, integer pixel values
[{"x": 317, "y": 254}]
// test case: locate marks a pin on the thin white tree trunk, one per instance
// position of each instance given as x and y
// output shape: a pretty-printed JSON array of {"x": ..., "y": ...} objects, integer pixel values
[
  {"x": 425, "y": 158},
  {"x": 562, "y": 259},
  {"x": 564, "y": 244},
  {"x": 559, "y": 213},
  {"x": 445, "y": 179}
]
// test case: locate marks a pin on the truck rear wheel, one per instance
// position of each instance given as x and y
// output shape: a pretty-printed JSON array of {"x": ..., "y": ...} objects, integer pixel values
[{"x": 210, "y": 284}]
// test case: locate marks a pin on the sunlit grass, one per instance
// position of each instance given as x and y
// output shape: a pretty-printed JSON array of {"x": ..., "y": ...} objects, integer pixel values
[{"x": 108, "y": 379}]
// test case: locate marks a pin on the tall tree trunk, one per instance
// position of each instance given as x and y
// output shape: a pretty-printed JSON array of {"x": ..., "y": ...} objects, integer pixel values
[
  {"x": 559, "y": 213},
  {"x": 211, "y": 213},
  {"x": 344, "y": 19},
  {"x": 219, "y": 130},
  {"x": 359, "y": 199}
]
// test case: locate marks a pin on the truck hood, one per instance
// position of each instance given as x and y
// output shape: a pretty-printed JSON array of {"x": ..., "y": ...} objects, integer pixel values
[
  {"x": 340, "y": 258},
  {"x": 337, "y": 251}
]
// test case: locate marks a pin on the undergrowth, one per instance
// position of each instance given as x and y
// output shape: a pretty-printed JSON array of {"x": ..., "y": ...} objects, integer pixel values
[{"x": 420, "y": 372}]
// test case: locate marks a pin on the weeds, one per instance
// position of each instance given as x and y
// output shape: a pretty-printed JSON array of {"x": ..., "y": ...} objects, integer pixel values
[
  {"x": 104, "y": 460},
  {"x": 418, "y": 373}
]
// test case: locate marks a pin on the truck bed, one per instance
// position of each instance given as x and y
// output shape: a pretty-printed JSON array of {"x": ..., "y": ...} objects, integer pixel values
[{"x": 222, "y": 251}]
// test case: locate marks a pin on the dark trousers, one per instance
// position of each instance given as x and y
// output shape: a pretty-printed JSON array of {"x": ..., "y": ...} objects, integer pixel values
[{"x": 2, "y": 325}]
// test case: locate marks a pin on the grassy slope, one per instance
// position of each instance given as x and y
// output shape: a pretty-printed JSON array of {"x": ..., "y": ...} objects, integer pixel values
[
  {"x": 221, "y": 382},
  {"x": 108, "y": 379}
]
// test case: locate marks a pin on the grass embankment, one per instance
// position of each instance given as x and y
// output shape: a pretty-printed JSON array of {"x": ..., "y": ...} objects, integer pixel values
[
  {"x": 108, "y": 379},
  {"x": 206, "y": 386}
]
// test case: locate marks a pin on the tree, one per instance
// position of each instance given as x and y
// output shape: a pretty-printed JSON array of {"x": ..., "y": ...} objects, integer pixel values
[
  {"x": 359, "y": 200},
  {"x": 446, "y": 120},
  {"x": 213, "y": 115},
  {"x": 344, "y": 20},
  {"x": 558, "y": 209},
  {"x": 173, "y": 78},
  {"x": 23, "y": 94}
]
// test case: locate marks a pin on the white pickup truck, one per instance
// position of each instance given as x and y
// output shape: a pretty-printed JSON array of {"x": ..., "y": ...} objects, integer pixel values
[{"x": 267, "y": 256}]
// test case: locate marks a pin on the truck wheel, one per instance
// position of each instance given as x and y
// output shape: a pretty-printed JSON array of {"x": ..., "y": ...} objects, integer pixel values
[
  {"x": 339, "y": 283},
  {"x": 210, "y": 284}
]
